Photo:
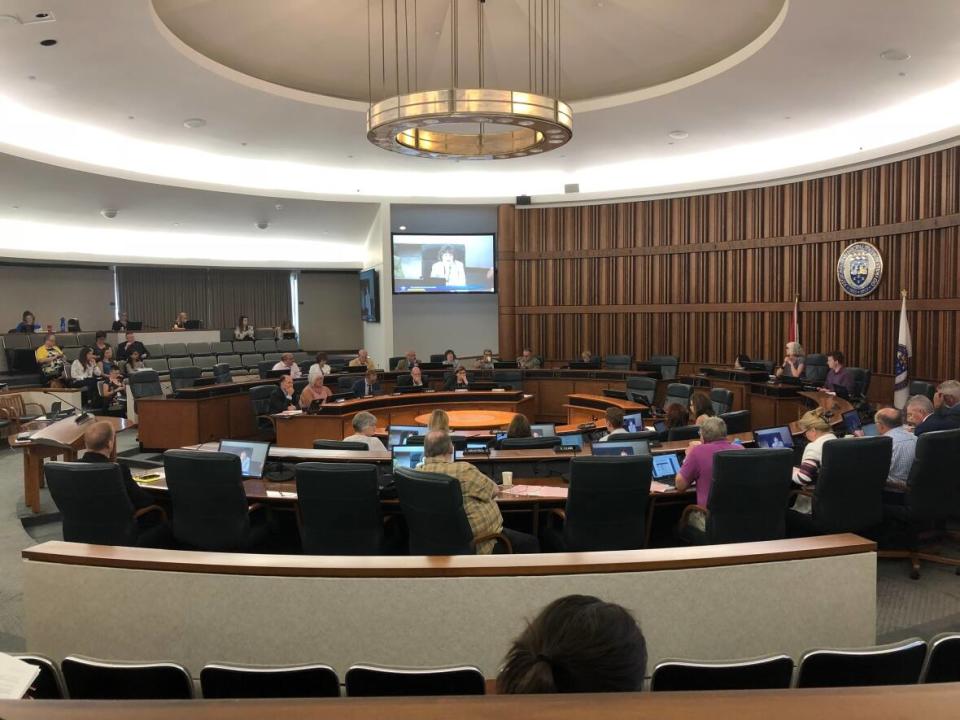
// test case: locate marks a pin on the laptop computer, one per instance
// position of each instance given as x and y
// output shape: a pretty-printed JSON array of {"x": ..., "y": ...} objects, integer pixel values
[
  {"x": 665, "y": 468},
  {"x": 252, "y": 454},
  {"x": 271, "y": 374},
  {"x": 543, "y": 430},
  {"x": 775, "y": 437},
  {"x": 633, "y": 422},
  {"x": 134, "y": 326},
  {"x": 433, "y": 366},
  {"x": 480, "y": 386},
  {"x": 660, "y": 426},
  {"x": 755, "y": 365},
  {"x": 398, "y": 434},
  {"x": 410, "y": 388},
  {"x": 504, "y": 365},
  {"x": 571, "y": 442},
  {"x": 340, "y": 397},
  {"x": 476, "y": 447},
  {"x": 852, "y": 422},
  {"x": 354, "y": 369},
  {"x": 628, "y": 448},
  {"x": 192, "y": 324},
  {"x": 584, "y": 365},
  {"x": 407, "y": 456}
]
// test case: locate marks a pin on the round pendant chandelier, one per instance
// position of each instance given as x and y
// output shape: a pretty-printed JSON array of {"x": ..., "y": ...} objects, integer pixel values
[{"x": 463, "y": 123}]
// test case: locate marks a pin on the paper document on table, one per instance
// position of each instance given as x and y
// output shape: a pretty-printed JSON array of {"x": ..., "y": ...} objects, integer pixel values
[
  {"x": 281, "y": 494},
  {"x": 545, "y": 491},
  {"x": 659, "y": 487},
  {"x": 16, "y": 677},
  {"x": 290, "y": 413}
]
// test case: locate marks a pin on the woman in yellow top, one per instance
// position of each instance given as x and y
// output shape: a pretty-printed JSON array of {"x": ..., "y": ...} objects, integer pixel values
[
  {"x": 50, "y": 358},
  {"x": 314, "y": 391}
]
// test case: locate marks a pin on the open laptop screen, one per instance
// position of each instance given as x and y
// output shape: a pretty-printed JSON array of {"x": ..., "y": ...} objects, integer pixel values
[
  {"x": 633, "y": 423},
  {"x": 407, "y": 456},
  {"x": 665, "y": 466},
  {"x": 398, "y": 434},
  {"x": 777, "y": 437},
  {"x": 252, "y": 454},
  {"x": 543, "y": 430}
]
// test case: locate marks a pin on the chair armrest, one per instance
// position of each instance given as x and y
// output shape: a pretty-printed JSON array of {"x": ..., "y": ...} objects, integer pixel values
[
  {"x": 150, "y": 508},
  {"x": 689, "y": 509},
  {"x": 36, "y": 405},
  {"x": 558, "y": 512},
  {"x": 494, "y": 536}
]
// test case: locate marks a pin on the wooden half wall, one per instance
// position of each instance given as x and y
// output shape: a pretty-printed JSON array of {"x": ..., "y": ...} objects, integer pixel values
[{"x": 707, "y": 276}]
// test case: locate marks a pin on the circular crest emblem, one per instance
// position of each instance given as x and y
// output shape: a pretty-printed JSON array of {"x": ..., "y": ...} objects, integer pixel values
[{"x": 859, "y": 269}]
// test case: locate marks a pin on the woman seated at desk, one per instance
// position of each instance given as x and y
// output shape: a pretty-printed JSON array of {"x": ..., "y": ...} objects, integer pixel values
[
  {"x": 457, "y": 381},
  {"x": 314, "y": 391},
  {"x": 112, "y": 389},
  {"x": 134, "y": 362},
  {"x": 85, "y": 374},
  {"x": 793, "y": 364}
]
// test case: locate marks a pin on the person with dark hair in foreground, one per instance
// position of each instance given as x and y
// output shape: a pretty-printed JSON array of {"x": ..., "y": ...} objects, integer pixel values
[{"x": 577, "y": 644}]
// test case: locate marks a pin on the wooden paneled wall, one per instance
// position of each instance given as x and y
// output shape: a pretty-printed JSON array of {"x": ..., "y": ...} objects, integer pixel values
[{"x": 707, "y": 276}]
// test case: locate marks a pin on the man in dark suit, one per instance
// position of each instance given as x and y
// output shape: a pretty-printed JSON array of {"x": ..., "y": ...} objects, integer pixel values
[
  {"x": 414, "y": 379},
  {"x": 131, "y": 344},
  {"x": 101, "y": 443},
  {"x": 946, "y": 414},
  {"x": 367, "y": 385},
  {"x": 457, "y": 381}
]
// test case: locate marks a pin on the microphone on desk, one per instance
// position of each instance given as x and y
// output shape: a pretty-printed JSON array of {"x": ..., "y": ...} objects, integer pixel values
[{"x": 84, "y": 415}]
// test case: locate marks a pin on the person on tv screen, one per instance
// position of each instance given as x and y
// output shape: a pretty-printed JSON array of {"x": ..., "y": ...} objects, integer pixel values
[{"x": 448, "y": 267}]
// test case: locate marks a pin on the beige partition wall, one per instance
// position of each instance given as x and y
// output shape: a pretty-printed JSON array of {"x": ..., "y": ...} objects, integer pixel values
[{"x": 193, "y": 608}]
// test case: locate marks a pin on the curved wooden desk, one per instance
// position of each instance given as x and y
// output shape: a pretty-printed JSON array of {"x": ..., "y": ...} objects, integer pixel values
[
  {"x": 285, "y": 609},
  {"x": 931, "y": 702},
  {"x": 472, "y": 419},
  {"x": 334, "y": 419}
]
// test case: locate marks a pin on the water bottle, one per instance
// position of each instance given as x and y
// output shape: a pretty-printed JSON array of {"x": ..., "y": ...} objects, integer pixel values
[{"x": 63, "y": 324}]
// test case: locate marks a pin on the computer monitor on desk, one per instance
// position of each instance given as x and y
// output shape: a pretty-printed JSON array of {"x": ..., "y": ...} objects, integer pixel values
[
  {"x": 192, "y": 325},
  {"x": 776, "y": 437},
  {"x": 543, "y": 430},
  {"x": 398, "y": 434},
  {"x": 407, "y": 456},
  {"x": 252, "y": 454},
  {"x": 617, "y": 449}
]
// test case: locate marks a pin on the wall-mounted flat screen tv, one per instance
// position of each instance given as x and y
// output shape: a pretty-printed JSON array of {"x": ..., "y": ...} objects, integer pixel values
[
  {"x": 444, "y": 264},
  {"x": 369, "y": 296}
]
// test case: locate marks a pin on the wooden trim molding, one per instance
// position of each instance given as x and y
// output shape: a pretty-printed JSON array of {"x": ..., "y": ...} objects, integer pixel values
[{"x": 448, "y": 566}]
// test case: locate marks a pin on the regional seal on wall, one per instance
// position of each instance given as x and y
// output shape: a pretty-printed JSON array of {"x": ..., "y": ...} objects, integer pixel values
[{"x": 859, "y": 269}]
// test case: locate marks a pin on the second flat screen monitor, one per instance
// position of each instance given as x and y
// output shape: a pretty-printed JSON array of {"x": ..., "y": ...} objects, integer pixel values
[{"x": 443, "y": 264}]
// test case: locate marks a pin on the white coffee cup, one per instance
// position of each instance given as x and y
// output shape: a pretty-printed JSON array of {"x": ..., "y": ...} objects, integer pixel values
[{"x": 506, "y": 478}]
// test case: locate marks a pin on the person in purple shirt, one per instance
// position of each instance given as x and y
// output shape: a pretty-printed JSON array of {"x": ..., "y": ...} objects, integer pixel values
[
  {"x": 838, "y": 375},
  {"x": 697, "y": 469}
]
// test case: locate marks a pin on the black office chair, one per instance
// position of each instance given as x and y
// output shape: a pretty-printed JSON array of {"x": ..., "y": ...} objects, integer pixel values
[
  {"x": 921, "y": 387},
  {"x": 260, "y": 400},
  {"x": 815, "y": 368},
  {"x": 685, "y": 432},
  {"x": 678, "y": 393},
  {"x": 264, "y": 367},
  {"x": 606, "y": 506},
  {"x": 895, "y": 664},
  {"x": 737, "y": 421},
  {"x": 459, "y": 441},
  {"x": 145, "y": 383},
  {"x": 848, "y": 496},
  {"x": 339, "y": 445},
  {"x": 392, "y": 363},
  {"x": 382, "y": 681},
  {"x": 943, "y": 659},
  {"x": 861, "y": 382},
  {"x": 666, "y": 365},
  {"x": 722, "y": 400},
  {"x": 345, "y": 384},
  {"x": 96, "y": 509},
  {"x": 618, "y": 362},
  {"x": 49, "y": 683},
  {"x": 531, "y": 443},
  {"x": 768, "y": 365},
  {"x": 339, "y": 509},
  {"x": 184, "y": 377},
  {"x": 90, "y": 679},
  {"x": 512, "y": 379},
  {"x": 404, "y": 380},
  {"x": 765, "y": 673},
  {"x": 222, "y": 374},
  {"x": 209, "y": 504},
  {"x": 432, "y": 505},
  {"x": 748, "y": 497},
  {"x": 932, "y": 497},
  {"x": 220, "y": 680},
  {"x": 641, "y": 389}
]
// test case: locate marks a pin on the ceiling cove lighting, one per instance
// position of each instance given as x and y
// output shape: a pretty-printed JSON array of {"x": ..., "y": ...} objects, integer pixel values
[
  {"x": 456, "y": 122},
  {"x": 23, "y": 239}
]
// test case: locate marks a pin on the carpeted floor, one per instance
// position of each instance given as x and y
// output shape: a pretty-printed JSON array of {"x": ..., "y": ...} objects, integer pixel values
[{"x": 905, "y": 607}]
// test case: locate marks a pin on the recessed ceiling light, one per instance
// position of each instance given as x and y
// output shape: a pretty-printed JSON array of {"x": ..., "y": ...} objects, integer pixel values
[
  {"x": 895, "y": 55},
  {"x": 278, "y": 206},
  {"x": 194, "y": 123},
  {"x": 679, "y": 134},
  {"x": 49, "y": 42},
  {"x": 31, "y": 77},
  {"x": 403, "y": 227}
]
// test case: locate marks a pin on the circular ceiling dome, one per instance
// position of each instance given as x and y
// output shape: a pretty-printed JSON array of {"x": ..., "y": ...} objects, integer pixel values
[{"x": 608, "y": 49}]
